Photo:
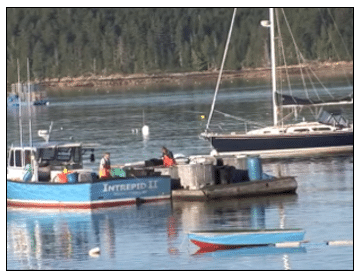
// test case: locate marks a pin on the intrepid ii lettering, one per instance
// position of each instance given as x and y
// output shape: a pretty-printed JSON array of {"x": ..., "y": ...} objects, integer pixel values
[{"x": 128, "y": 187}]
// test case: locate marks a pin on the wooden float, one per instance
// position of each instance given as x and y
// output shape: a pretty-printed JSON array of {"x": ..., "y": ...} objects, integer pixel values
[{"x": 242, "y": 189}]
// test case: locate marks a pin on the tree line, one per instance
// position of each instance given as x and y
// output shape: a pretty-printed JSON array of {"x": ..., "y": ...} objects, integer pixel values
[{"x": 62, "y": 42}]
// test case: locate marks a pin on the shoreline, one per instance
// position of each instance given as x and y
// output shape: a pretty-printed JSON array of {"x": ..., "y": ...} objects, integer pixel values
[{"x": 324, "y": 70}]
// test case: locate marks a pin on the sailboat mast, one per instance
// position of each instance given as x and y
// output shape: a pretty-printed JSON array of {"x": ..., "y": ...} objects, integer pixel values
[
  {"x": 273, "y": 64},
  {"x": 29, "y": 98},
  {"x": 19, "y": 95}
]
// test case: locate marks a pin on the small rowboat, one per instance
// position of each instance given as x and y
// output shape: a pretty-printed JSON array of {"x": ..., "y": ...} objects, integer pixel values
[{"x": 226, "y": 239}]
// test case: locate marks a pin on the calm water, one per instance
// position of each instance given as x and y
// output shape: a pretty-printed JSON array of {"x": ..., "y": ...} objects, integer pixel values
[{"x": 153, "y": 236}]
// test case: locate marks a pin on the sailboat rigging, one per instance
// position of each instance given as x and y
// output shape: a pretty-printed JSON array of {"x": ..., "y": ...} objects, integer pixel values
[{"x": 329, "y": 134}]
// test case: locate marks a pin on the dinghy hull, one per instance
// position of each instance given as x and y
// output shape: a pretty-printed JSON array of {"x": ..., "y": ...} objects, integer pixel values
[{"x": 233, "y": 239}]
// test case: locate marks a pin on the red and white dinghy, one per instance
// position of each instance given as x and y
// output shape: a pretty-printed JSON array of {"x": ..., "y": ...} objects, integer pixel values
[{"x": 226, "y": 239}]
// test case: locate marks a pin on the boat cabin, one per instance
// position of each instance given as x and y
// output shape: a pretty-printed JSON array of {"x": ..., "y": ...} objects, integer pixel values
[
  {"x": 44, "y": 161},
  {"x": 304, "y": 127},
  {"x": 310, "y": 128}
]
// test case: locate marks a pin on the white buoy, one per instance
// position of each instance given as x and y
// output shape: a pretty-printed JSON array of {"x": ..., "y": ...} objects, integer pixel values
[
  {"x": 340, "y": 243},
  {"x": 145, "y": 130},
  {"x": 134, "y": 130},
  {"x": 288, "y": 244},
  {"x": 95, "y": 252}
]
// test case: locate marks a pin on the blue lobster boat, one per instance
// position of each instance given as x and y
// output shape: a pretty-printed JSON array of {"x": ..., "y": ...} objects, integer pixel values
[
  {"x": 33, "y": 180},
  {"x": 87, "y": 195},
  {"x": 226, "y": 239}
]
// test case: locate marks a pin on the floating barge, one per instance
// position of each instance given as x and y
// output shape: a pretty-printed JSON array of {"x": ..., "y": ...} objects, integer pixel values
[
  {"x": 224, "y": 177},
  {"x": 242, "y": 189}
]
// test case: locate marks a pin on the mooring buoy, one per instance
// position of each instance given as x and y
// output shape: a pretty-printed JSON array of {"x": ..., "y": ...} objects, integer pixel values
[{"x": 95, "y": 252}]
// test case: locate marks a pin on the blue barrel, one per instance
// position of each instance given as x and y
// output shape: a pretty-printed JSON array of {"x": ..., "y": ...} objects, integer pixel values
[
  {"x": 254, "y": 168},
  {"x": 72, "y": 178},
  {"x": 27, "y": 176}
]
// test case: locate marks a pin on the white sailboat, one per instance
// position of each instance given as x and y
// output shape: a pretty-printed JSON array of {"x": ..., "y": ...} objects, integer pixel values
[{"x": 331, "y": 133}]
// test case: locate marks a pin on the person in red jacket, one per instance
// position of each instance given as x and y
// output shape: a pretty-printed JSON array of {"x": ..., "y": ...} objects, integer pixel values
[
  {"x": 105, "y": 166},
  {"x": 167, "y": 157}
]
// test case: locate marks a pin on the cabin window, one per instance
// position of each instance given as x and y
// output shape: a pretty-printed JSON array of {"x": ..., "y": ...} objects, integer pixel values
[
  {"x": 18, "y": 158},
  {"x": 321, "y": 129},
  {"x": 64, "y": 154},
  {"x": 301, "y": 130},
  {"x": 77, "y": 155},
  {"x": 47, "y": 154},
  {"x": 27, "y": 157},
  {"x": 11, "y": 161}
]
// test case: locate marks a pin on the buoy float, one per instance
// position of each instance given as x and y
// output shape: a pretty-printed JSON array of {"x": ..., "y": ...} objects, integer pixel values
[
  {"x": 95, "y": 252},
  {"x": 340, "y": 243},
  {"x": 305, "y": 243},
  {"x": 288, "y": 244},
  {"x": 145, "y": 130}
]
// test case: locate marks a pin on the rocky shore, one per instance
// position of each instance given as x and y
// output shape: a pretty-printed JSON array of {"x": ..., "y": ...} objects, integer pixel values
[{"x": 325, "y": 70}]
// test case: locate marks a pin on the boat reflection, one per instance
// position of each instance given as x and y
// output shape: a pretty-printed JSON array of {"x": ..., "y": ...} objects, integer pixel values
[
  {"x": 242, "y": 213},
  {"x": 239, "y": 213},
  {"x": 45, "y": 239},
  {"x": 172, "y": 235},
  {"x": 46, "y": 235}
]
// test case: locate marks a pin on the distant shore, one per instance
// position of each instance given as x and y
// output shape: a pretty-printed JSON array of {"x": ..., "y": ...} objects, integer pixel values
[{"x": 324, "y": 70}]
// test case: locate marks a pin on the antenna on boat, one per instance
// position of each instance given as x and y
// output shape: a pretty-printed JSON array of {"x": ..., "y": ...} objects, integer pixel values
[{"x": 45, "y": 134}]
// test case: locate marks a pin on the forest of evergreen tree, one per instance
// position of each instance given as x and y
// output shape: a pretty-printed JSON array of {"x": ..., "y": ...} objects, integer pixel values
[{"x": 72, "y": 42}]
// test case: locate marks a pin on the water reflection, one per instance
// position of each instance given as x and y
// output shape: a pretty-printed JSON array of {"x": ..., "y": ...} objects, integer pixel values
[
  {"x": 172, "y": 235},
  {"x": 243, "y": 213},
  {"x": 43, "y": 236},
  {"x": 48, "y": 239},
  {"x": 260, "y": 250},
  {"x": 240, "y": 213},
  {"x": 39, "y": 239}
]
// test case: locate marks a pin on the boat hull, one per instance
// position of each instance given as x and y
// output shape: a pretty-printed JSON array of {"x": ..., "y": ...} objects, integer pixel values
[
  {"x": 233, "y": 239},
  {"x": 282, "y": 143},
  {"x": 102, "y": 193}
]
